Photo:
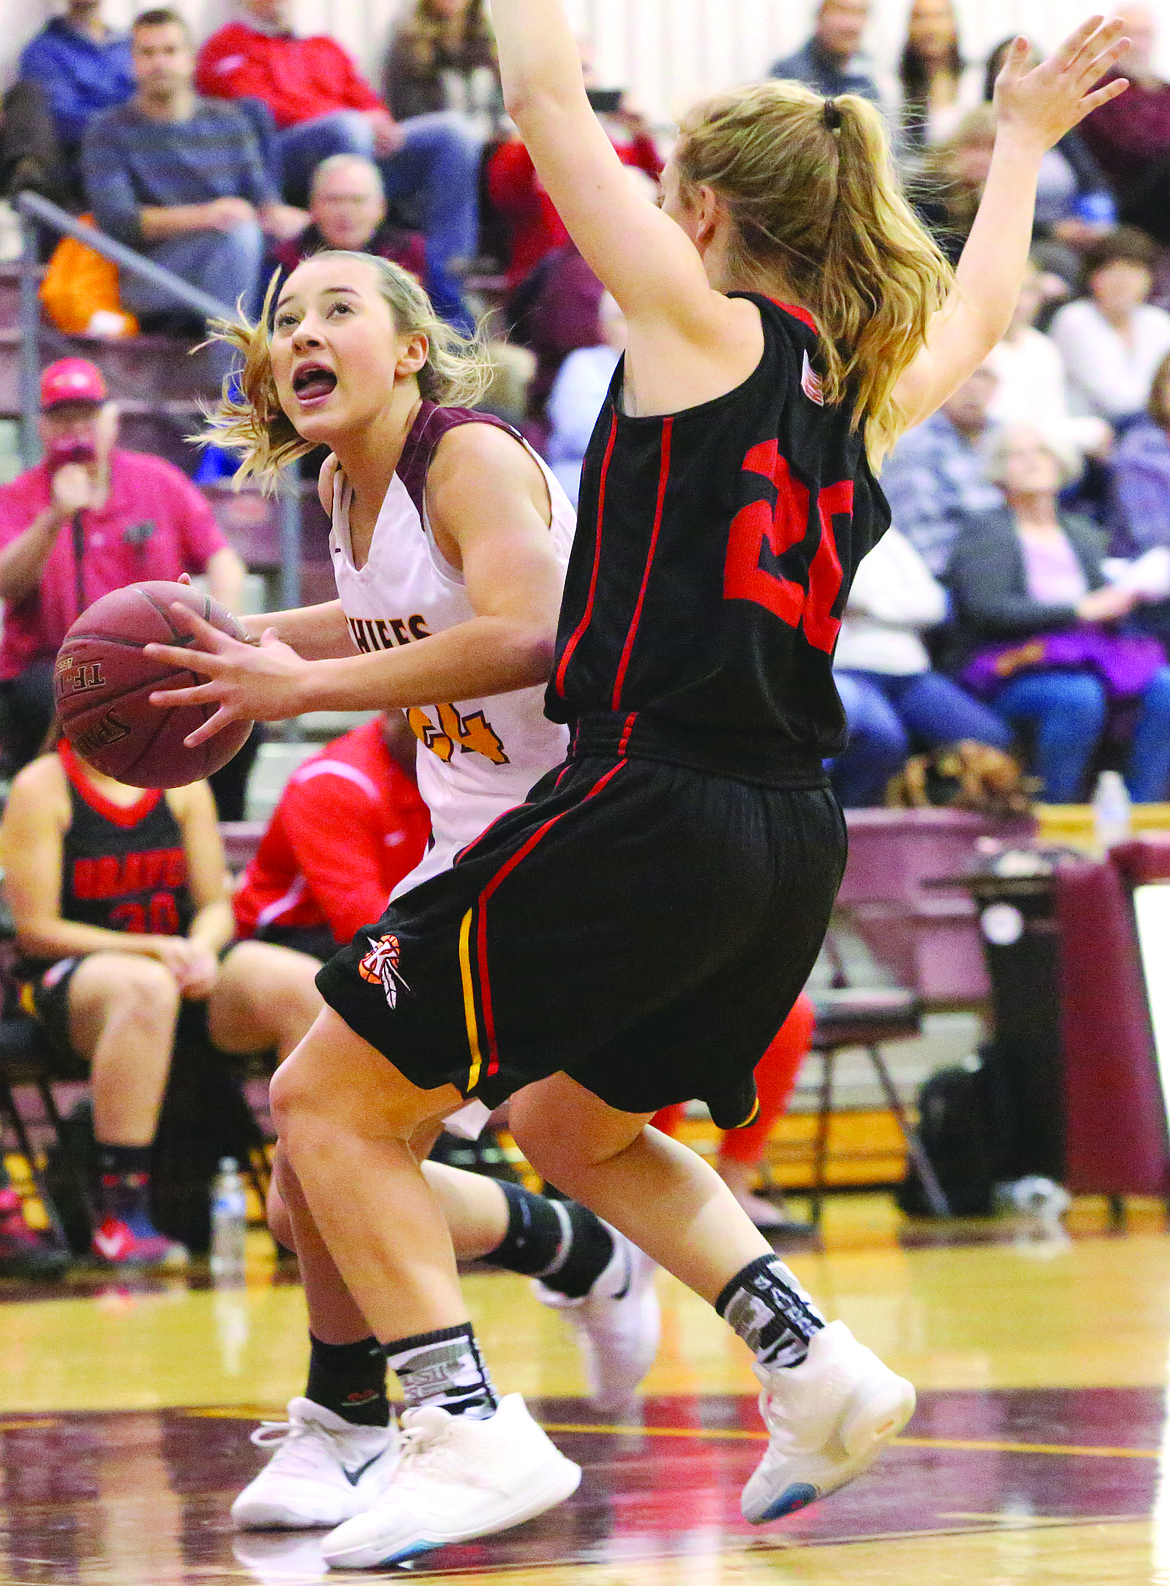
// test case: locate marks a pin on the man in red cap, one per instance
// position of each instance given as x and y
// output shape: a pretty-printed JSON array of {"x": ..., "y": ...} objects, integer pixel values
[{"x": 87, "y": 519}]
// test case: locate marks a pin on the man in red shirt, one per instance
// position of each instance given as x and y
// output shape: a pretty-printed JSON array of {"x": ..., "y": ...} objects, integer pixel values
[
  {"x": 322, "y": 105},
  {"x": 129, "y": 515},
  {"x": 349, "y": 825}
]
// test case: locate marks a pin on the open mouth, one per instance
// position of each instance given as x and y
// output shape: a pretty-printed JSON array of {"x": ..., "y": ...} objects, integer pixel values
[{"x": 313, "y": 382}]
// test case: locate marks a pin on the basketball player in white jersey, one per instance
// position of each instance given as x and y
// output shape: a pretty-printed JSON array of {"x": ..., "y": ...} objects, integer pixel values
[{"x": 449, "y": 542}]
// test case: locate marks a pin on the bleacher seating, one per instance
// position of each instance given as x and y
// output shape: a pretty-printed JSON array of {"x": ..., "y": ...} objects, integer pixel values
[{"x": 157, "y": 383}]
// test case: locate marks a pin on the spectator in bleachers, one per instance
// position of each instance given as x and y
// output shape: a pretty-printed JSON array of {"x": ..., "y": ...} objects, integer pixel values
[
  {"x": 1074, "y": 203},
  {"x": 347, "y": 209},
  {"x": 938, "y": 87},
  {"x": 349, "y": 825},
  {"x": 895, "y": 703},
  {"x": 83, "y": 65},
  {"x": 1030, "y": 380},
  {"x": 537, "y": 231},
  {"x": 132, "y": 516},
  {"x": 1112, "y": 338},
  {"x": 578, "y": 393},
  {"x": 1131, "y": 140},
  {"x": 830, "y": 62},
  {"x": 181, "y": 179},
  {"x": 1039, "y": 631},
  {"x": 322, "y": 105},
  {"x": 120, "y": 902},
  {"x": 938, "y": 472},
  {"x": 442, "y": 56},
  {"x": 1141, "y": 473},
  {"x": 31, "y": 157},
  {"x": 949, "y": 187}
]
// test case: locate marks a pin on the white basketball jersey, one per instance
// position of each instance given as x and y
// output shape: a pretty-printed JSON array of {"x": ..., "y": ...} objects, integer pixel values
[{"x": 477, "y": 757}]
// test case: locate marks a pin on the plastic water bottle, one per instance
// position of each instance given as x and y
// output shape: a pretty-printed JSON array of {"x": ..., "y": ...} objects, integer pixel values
[
  {"x": 1112, "y": 811},
  {"x": 229, "y": 1220}
]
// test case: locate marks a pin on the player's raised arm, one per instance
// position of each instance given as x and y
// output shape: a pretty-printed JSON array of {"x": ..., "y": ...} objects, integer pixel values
[
  {"x": 1034, "y": 110},
  {"x": 643, "y": 258}
]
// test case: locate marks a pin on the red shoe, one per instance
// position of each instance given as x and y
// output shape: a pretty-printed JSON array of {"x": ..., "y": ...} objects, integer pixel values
[
  {"x": 135, "y": 1243},
  {"x": 24, "y": 1253}
]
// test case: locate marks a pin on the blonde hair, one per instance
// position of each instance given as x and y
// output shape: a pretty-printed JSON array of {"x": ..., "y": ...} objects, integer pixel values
[
  {"x": 249, "y": 418},
  {"x": 813, "y": 196}
]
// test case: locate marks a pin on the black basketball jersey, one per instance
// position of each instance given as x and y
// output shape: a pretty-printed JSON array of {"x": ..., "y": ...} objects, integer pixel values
[
  {"x": 123, "y": 869},
  {"x": 714, "y": 554}
]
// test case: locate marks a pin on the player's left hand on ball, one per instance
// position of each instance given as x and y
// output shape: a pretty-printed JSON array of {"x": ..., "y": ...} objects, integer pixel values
[
  {"x": 248, "y": 682},
  {"x": 1055, "y": 96}
]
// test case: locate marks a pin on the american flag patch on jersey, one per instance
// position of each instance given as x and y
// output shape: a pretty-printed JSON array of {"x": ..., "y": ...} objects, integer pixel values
[{"x": 811, "y": 383}]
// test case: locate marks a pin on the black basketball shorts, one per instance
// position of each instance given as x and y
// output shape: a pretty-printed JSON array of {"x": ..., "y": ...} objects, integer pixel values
[{"x": 644, "y": 927}]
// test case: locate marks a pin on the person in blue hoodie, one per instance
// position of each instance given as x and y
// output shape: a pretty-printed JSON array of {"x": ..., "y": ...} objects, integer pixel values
[{"x": 83, "y": 66}]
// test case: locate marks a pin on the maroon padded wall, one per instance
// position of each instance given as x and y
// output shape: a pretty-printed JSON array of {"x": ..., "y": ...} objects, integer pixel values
[{"x": 1115, "y": 1128}]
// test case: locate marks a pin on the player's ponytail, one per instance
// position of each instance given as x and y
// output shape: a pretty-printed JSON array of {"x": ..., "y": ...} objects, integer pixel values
[
  {"x": 249, "y": 418},
  {"x": 815, "y": 201}
]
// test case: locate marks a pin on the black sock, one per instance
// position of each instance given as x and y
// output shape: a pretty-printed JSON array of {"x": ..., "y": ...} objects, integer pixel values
[
  {"x": 770, "y": 1311},
  {"x": 123, "y": 1179},
  {"x": 444, "y": 1369},
  {"x": 559, "y": 1242},
  {"x": 350, "y": 1380}
]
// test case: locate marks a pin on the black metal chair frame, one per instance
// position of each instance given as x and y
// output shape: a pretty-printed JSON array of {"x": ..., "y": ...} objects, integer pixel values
[{"x": 866, "y": 1017}]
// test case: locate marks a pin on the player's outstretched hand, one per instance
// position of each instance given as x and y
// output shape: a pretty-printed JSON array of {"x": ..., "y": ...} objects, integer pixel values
[
  {"x": 1050, "y": 100},
  {"x": 248, "y": 682}
]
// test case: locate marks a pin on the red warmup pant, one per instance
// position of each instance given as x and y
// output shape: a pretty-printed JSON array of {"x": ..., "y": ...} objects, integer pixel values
[{"x": 775, "y": 1076}]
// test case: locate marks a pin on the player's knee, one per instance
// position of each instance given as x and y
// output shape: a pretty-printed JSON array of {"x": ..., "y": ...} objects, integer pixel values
[
  {"x": 146, "y": 991},
  {"x": 279, "y": 1221},
  {"x": 289, "y": 1099},
  {"x": 555, "y": 1158}
]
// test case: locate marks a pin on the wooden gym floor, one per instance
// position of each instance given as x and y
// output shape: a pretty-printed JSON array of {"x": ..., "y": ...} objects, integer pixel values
[{"x": 1040, "y": 1452}]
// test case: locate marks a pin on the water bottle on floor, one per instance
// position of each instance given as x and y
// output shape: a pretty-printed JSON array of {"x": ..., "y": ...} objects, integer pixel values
[
  {"x": 1112, "y": 811},
  {"x": 229, "y": 1222}
]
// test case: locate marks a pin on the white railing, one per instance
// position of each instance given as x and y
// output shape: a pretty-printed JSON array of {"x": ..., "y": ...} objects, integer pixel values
[{"x": 667, "y": 52}]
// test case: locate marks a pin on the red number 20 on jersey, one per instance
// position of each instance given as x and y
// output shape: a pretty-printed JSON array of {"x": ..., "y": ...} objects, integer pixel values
[{"x": 781, "y": 527}]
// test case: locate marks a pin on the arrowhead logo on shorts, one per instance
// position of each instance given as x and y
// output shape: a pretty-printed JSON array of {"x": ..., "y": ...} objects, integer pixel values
[{"x": 380, "y": 966}]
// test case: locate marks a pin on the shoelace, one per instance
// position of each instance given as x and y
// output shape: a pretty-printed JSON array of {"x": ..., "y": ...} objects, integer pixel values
[
  {"x": 298, "y": 1438},
  {"x": 420, "y": 1441},
  {"x": 429, "y": 1453}
]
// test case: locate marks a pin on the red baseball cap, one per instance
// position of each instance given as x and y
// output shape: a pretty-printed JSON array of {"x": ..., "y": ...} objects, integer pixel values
[{"x": 72, "y": 380}]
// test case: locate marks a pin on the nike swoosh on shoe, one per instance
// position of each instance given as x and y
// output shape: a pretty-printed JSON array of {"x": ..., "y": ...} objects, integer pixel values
[{"x": 354, "y": 1476}]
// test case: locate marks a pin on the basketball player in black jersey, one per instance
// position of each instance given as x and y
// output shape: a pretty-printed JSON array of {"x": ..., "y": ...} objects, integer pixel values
[
  {"x": 120, "y": 902},
  {"x": 636, "y": 932}
]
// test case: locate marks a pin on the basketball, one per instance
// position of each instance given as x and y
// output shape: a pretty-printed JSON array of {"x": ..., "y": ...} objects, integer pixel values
[{"x": 102, "y": 684}]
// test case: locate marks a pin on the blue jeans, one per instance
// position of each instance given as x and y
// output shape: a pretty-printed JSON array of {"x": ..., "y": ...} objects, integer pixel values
[
  {"x": 890, "y": 715},
  {"x": 1067, "y": 712},
  {"x": 437, "y": 167},
  {"x": 224, "y": 264}
]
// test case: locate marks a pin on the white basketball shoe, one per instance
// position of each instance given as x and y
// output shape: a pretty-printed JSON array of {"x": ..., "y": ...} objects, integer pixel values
[
  {"x": 618, "y": 1324},
  {"x": 456, "y": 1479},
  {"x": 828, "y": 1419},
  {"x": 324, "y": 1470}
]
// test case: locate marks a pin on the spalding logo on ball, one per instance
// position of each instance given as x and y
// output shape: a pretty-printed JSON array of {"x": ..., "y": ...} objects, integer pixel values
[{"x": 102, "y": 684}]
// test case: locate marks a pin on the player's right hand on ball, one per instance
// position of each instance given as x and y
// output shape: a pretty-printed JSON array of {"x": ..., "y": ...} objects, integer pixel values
[{"x": 72, "y": 490}]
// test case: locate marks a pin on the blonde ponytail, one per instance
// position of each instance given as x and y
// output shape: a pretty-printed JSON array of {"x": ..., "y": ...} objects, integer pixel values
[{"x": 814, "y": 198}]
